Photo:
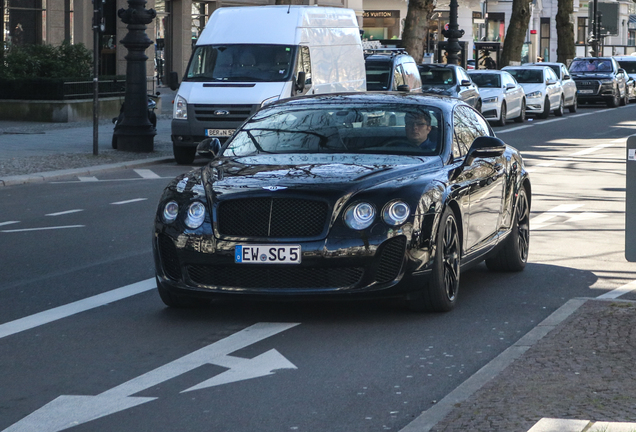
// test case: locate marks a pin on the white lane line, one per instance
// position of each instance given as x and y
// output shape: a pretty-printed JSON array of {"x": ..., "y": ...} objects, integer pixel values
[
  {"x": 513, "y": 129},
  {"x": 561, "y": 210},
  {"x": 590, "y": 150},
  {"x": 583, "y": 115},
  {"x": 553, "y": 120},
  {"x": 64, "y": 212},
  {"x": 42, "y": 228},
  {"x": 129, "y": 201},
  {"x": 615, "y": 293},
  {"x": 9, "y": 223},
  {"x": 146, "y": 173},
  {"x": 87, "y": 179},
  {"x": 60, "y": 312}
]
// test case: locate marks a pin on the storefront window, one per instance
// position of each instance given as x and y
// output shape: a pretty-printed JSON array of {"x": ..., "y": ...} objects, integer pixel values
[
  {"x": 201, "y": 11},
  {"x": 381, "y": 24},
  {"x": 495, "y": 27},
  {"x": 24, "y": 22},
  {"x": 581, "y": 30}
]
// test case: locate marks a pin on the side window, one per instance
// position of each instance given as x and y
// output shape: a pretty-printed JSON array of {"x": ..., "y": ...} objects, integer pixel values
[
  {"x": 304, "y": 65},
  {"x": 412, "y": 75},
  {"x": 467, "y": 126},
  {"x": 398, "y": 77},
  {"x": 564, "y": 71}
]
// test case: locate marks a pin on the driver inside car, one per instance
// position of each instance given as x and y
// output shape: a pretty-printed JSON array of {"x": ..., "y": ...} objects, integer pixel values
[{"x": 418, "y": 128}]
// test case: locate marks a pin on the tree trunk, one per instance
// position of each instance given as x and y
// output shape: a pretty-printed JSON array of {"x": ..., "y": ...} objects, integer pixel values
[
  {"x": 516, "y": 33},
  {"x": 565, "y": 32},
  {"x": 415, "y": 27}
]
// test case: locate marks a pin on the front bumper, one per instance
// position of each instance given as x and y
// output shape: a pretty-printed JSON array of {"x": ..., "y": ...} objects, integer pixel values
[
  {"x": 201, "y": 266},
  {"x": 491, "y": 110},
  {"x": 535, "y": 105}
]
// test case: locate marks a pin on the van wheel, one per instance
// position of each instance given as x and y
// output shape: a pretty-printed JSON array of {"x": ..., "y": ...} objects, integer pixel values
[{"x": 184, "y": 155}]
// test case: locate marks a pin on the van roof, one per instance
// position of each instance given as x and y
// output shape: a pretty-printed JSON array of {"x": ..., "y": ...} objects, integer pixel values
[{"x": 272, "y": 24}]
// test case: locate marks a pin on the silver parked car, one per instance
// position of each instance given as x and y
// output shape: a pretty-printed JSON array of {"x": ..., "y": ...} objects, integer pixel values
[
  {"x": 502, "y": 97},
  {"x": 543, "y": 89},
  {"x": 568, "y": 84}
]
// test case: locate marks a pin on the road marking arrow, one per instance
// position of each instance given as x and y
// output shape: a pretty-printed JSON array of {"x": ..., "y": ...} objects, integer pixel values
[{"x": 68, "y": 411}]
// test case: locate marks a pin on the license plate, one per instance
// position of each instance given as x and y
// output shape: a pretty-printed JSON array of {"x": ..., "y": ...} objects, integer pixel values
[
  {"x": 586, "y": 91},
  {"x": 219, "y": 132},
  {"x": 267, "y": 254}
]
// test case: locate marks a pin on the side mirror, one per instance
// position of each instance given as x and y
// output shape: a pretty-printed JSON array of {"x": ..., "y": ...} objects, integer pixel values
[
  {"x": 464, "y": 83},
  {"x": 404, "y": 88},
  {"x": 209, "y": 147},
  {"x": 510, "y": 86},
  {"x": 550, "y": 82},
  {"x": 485, "y": 147},
  {"x": 566, "y": 77},
  {"x": 173, "y": 81},
  {"x": 621, "y": 70},
  {"x": 300, "y": 81}
]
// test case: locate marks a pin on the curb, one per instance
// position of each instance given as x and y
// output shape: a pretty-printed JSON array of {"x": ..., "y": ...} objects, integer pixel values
[
  {"x": 56, "y": 175},
  {"x": 429, "y": 418}
]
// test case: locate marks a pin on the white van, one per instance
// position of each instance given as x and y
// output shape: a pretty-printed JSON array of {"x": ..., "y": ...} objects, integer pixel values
[{"x": 247, "y": 56}]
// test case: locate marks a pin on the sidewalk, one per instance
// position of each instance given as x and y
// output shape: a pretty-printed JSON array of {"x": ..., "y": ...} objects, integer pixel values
[{"x": 574, "y": 372}]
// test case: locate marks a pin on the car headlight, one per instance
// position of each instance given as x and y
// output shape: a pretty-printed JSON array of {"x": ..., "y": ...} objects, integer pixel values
[
  {"x": 396, "y": 213},
  {"x": 534, "y": 94},
  {"x": 196, "y": 215},
  {"x": 170, "y": 212},
  {"x": 180, "y": 108},
  {"x": 490, "y": 100},
  {"x": 359, "y": 216}
]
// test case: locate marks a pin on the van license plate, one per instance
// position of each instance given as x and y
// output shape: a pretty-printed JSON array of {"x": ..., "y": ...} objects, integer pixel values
[
  {"x": 267, "y": 254},
  {"x": 219, "y": 132}
]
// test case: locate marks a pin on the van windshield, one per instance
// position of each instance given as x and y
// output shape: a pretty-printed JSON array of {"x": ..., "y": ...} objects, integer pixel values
[{"x": 241, "y": 62}]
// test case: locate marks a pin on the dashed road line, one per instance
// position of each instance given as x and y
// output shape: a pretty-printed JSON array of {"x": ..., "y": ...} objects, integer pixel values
[
  {"x": 9, "y": 223},
  {"x": 147, "y": 174},
  {"x": 616, "y": 293},
  {"x": 64, "y": 212},
  {"x": 561, "y": 210},
  {"x": 129, "y": 201},
  {"x": 42, "y": 228},
  {"x": 87, "y": 179}
]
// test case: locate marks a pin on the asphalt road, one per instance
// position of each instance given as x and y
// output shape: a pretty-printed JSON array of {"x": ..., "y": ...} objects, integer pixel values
[{"x": 311, "y": 366}]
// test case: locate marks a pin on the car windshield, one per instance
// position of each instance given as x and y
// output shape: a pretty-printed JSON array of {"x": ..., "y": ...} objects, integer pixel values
[
  {"x": 398, "y": 129},
  {"x": 591, "y": 66},
  {"x": 629, "y": 66},
  {"x": 486, "y": 80},
  {"x": 527, "y": 76},
  {"x": 246, "y": 62},
  {"x": 378, "y": 75},
  {"x": 436, "y": 75}
]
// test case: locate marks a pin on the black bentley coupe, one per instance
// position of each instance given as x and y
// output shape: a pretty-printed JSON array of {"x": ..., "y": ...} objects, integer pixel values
[{"x": 345, "y": 195}]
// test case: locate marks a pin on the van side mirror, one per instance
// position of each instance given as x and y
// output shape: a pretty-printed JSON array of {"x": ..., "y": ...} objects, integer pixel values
[
  {"x": 209, "y": 147},
  {"x": 300, "y": 81},
  {"x": 173, "y": 81}
]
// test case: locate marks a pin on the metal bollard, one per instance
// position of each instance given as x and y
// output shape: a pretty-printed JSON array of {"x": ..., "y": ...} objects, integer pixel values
[{"x": 630, "y": 200}]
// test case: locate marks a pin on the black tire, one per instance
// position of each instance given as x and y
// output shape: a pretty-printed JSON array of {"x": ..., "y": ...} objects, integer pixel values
[
  {"x": 184, "y": 155},
  {"x": 625, "y": 99},
  {"x": 513, "y": 254},
  {"x": 113, "y": 142},
  {"x": 478, "y": 105},
  {"x": 502, "y": 116},
  {"x": 575, "y": 105},
  {"x": 559, "y": 111},
  {"x": 175, "y": 301},
  {"x": 546, "y": 109},
  {"x": 440, "y": 292},
  {"x": 614, "y": 101},
  {"x": 522, "y": 115},
  {"x": 153, "y": 118}
]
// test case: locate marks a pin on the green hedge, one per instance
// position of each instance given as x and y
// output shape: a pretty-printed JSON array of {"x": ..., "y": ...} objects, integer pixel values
[{"x": 47, "y": 61}]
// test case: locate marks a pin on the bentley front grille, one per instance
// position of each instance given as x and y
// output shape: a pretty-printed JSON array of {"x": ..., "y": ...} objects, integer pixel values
[
  {"x": 391, "y": 258},
  {"x": 280, "y": 277},
  {"x": 169, "y": 258},
  {"x": 272, "y": 217}
]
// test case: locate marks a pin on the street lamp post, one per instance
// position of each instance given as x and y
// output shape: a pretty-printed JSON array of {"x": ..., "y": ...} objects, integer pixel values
[
  {"x": 135, "y": 132},
  {"x": 453, "y": 34},
  {"x": 593, "y": 40}
]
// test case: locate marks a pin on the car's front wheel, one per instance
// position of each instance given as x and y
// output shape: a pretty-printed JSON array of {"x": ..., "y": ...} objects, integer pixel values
[
  {"x": 546, "y": 109},
  {"x": 615, "y": 100},
  {"x": 522, "y": 114},
  {"x": 440, "y": 293},
  {"x": 559, "y": 111},
  {"x": 513, "y": 254}
]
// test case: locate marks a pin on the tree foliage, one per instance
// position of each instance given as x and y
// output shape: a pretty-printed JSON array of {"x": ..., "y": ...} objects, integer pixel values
[
  {"x": 47, "y": 61},
  {"x": 565, "y": 31},
  {"x": 415, "y": 27},
  {"x": 516, "y": 33}
]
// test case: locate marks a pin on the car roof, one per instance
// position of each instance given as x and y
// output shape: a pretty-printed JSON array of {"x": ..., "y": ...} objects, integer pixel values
[
  {"x": 542, "y": 64},
  {"x": 445, "y": 103},
  {"x": 526, "y": 67},
  {"x": 625, "y": 58},
  {"x": 485, "y": 71}
]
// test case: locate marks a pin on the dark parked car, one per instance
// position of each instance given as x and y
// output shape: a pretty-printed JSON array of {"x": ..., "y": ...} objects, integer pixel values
[
  {"x": 600, "y": 79},
  {"x": 391, "y": 70},
  {"x": 450, "y": 80},
  {"x": 345, "y": 195}
]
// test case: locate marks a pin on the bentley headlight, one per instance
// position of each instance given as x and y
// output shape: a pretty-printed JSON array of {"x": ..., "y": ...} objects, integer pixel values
[
  {"x": 196, "y": 215},
  {"x": 535, "y": 94},
  {"x": 396, "y": 213},
  {"x": 170, "y": 212},
  {"x": 359, "y": 216},
  {"x": 180, "y": 108},
  {"x": 490, "y": 100}
]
